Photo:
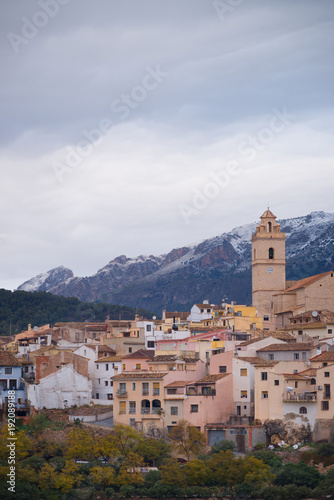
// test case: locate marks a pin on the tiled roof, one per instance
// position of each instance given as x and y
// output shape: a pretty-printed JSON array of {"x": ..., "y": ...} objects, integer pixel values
[
  {"x": 204, "y": 306},
  {"x": 109, "y": 359},
  {"x": 8, "y": 359},
  {"x": 306, "y": 281},
  {"x": 178, "y": 383},
  {"x": 324, "y": 356},
  {"x": 291, "y": 346},
  {"x": 141, "y": 353},
  {"x": 140, "y": 374},
  {"x": 177, "y": 314},
  {"x": 105, "y": 348},
  {"x": 268, "y": 213},
  {"x": 308, "y": 326},
  {"x": 310, "y": 372},
  {"x": 255, "y": 360},
  {"x": 210, "y": 379},
  {"x": 295, "y": 376},
  {"x": 172, "y": 357}
]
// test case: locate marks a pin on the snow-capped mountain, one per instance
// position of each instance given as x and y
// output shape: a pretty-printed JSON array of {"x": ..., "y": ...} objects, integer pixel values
[{"x": 214, "y": 268}]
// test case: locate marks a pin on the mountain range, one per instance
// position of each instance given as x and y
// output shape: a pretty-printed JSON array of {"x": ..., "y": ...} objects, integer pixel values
[{"x": 216, "y": 268}]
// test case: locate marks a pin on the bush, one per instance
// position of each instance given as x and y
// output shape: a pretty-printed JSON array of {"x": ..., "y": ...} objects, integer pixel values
[
  {"x": 152, "y": 477},
  {"x": 270, "y": 458},
  {"x": 288, "y": 492},
  {"x": 127, "y": 491},
  {"x": 325, "y": 450},
  {"x": 222, "y": 446},
  {"x": 298, "y": 474}
]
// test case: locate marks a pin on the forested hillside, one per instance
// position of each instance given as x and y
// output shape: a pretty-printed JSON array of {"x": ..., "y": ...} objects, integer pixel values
[{"x": 18, "y": 309}]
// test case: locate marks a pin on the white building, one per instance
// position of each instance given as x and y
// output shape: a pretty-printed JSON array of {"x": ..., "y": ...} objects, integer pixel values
[{"x": 200, "y": 312}]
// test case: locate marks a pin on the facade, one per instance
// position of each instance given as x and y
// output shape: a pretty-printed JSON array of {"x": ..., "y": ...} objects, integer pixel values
[
  {"x": 268, "y": 267},
  {"x": 10, "y": 380}
]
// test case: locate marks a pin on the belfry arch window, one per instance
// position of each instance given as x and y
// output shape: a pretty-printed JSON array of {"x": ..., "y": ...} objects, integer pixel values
[
  {"x": 269, "y": 227},
  {"x": 271, "y": 253}
]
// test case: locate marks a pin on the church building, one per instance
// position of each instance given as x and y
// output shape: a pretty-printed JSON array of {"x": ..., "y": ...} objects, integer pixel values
[{"x": 275, "y": 299}]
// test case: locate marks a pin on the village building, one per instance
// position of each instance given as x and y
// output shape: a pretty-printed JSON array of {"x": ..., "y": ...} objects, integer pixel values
[{"x": 11, "y": 380}]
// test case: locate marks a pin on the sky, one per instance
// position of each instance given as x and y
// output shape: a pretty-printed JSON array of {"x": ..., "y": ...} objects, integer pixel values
[{"x": 135, "y": 127}]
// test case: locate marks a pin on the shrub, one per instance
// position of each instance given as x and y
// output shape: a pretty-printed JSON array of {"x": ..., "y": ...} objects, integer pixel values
[
  {"x": 222, "y": 446},
  {"x": 325, "y": 450},
  {"x": 298, "y": 474}
]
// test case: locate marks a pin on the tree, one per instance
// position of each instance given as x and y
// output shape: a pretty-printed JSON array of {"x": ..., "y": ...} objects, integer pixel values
[
  {"x": 130, "y": 471},
  {"x": 172, "y": 473},
  {"x": 299, "y": 474},
  {"x": 187, "y": 439},
  {"x": 47, "y": 477},
  {"x": 104, "y": 476},
  {"x": 197, "y": 473},
  {"x": 80, "y": 445}
]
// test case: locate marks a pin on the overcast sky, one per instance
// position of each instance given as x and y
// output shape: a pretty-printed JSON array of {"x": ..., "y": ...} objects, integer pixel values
[{"x": 134, "y": 127}]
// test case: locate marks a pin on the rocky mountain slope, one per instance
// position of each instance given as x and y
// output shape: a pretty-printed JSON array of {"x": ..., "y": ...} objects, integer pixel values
[{"x": 216, "y": 268}]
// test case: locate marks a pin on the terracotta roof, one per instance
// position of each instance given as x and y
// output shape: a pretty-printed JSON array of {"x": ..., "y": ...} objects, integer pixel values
[
  {"x": 307, "y": 326},
  {"x": 295, "y": 376},
  {"x": 306, "y": 281},
  {"x": 141, "y": 353},
  {"x": 210, "y": 379},
  {"x": 109, "y": 359},
  {"x": 173, "y": 357},
  {"x": 204, "y": 306},
  {"x": 255, "y": 360},
  {"x": 324, "y": 356},
  {"x": 310, "y": 372},
  {"x": 105, "y": 348},
  {"x": 291, "y": 346},
  {"x": 178, "y": 383},
  {"x": 177, "y": 314},
  {"x": 8, "y": 359},
  {"x": 139, "y": 374},
  {"x": 268, "y": 213}
]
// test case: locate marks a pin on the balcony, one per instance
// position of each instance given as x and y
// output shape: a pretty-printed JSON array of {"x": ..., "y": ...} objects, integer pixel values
[
  {"x": 121, "y": 393},
  {"x": 301, "y": 397},
  {"x": 145, "y": 392},
  {"x": 132, "y": 411},
  {"x": 156, "y": 392}
]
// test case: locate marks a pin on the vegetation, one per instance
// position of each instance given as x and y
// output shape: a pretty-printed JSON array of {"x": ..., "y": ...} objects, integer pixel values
[
  {"x": 18, "y": 309},
  {"x": 84, "y": 465}
]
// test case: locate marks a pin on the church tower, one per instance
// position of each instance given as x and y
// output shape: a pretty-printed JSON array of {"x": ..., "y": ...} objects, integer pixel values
[{"x": 268, "y": 266}]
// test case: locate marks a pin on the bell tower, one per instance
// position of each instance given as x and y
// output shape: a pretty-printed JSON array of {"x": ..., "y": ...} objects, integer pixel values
[{"x": 268, "y": 266}]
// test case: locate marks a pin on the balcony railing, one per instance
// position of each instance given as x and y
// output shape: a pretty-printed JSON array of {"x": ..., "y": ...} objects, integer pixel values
[
  {"x": 145, "y": 392},
  {"x": 122, "y": 393},
  {"x": 132, "y": 410},
  {"x": 156, "y": 392},
  {"x": 145, "y": 411},
  {"x": 304, "y": 396}
]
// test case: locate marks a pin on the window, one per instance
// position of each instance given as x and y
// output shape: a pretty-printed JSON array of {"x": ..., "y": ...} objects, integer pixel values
[
  {"x": 138, "y": 366},
  {"x": 123, "y": 366},
  {"x": 132, "y": 422},
  {"x": 276, "y": 382},
  {"x": 97, "y": 366},
  {"x": 264, "y": 376},
  {"x": 302, "y": 410},
  {"x": 122, "y": 407},
  {"x": 97, "y": 396},
  {"x": 107, "y": 367},
  {"x": 271, "y": 253},
  {"x": 329, "y": 330},
  {"x": 132, "y": 407},
  {"x": 156, "y": 389},
  {"x": 271, "y": 357},
  {"x": 145, "y": 389},
  {"x": 269, "y": 227},
  {"x": 122, "y": 388},
  {"x": 300, "y": 332},
  {"x": 148, "y": 328},
  {"x": 264, "y": 394},
  {"x": 20, "y": 401},
  {"x": 243, "y": 372},
  {"x": 243, "y": 394},
  {"x": 150, "y": 343},
  {"x": 110, "y": 397},
  {"x": 12, "y": 385},
  {"x": 296, "y": 385},
  {"x": 130, "y": 350},
  {"x": 296, "y": 356},
  {"x": 106, "y": 382},
  {"x": 133, "y": 386},
  {"x": 194, "y": 408},
  {"x": 26, "y": 368},
  {"x": 222, "y": 369},
  {"x": 325, "y": 405},
  {"x": 174, "y": 410},
  {"x": 313, "y": 381},
  {"x": 326, "y": 374},
  {"x": 304, "y": 356},
  {"x": 265, "y": 317},
  {"x": 327, "y": 394},
  {"x": 8, "y": 370}
]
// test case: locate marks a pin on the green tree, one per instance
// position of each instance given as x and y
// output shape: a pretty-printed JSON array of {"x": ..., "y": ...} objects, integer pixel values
[
  {"x": 187, "y": 439},
  {"x": 80, "y": 445},
  {"x": 173, "y": 473},
  {"x": 104, "y": 476},
  {"x": 299, "y": 474}
]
